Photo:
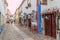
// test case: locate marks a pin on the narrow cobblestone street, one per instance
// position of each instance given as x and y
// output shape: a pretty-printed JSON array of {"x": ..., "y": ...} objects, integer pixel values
[{"x": 15, "y": 32}]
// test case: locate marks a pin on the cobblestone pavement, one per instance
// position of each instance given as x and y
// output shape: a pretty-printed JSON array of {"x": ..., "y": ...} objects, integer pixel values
[
  {"x": 15, "y": 32},
  {"x": 34, "y": 35}
]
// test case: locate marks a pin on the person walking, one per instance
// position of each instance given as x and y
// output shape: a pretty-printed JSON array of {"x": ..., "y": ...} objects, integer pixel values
[
  {"x": 25, "y": 19},
  {"x": 29, "y": 22}
]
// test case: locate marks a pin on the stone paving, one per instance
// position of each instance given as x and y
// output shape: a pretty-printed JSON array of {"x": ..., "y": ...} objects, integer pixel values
[
  {"x": 12, "y": 32},
  {"x": 34, "y": 35}
]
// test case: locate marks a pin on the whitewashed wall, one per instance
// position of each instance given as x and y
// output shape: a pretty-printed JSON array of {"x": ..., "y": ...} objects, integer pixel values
[
  {"x": 33, "y": 7},
  {"x": 2, "y": 8},
  {"x": 51, "y": 4}
]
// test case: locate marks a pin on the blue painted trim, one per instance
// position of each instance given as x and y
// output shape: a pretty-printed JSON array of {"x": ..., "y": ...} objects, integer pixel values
[{"x": 39, "y": 18}]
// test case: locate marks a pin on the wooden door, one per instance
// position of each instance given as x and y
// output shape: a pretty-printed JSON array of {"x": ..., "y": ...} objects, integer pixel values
[
  {"x": 50, "y": 25},
  {"x": 53, "y": 25},
  {"x": 47, "y": 21}
]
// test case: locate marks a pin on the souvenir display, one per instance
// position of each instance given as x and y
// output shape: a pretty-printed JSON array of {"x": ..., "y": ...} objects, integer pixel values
[{"x": 29, "y": 4}]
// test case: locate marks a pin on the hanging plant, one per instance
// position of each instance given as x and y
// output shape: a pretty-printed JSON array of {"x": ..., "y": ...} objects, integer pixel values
[
  {"x": 26, "y": 7},
  {"x": 29, "y": 4}
]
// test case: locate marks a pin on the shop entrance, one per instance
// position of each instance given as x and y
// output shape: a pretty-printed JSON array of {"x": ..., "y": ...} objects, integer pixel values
[{"x": 50, "y": 25}]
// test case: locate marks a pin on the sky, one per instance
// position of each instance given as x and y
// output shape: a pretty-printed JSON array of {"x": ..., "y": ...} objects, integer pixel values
[{"x": 13, "y": 5}]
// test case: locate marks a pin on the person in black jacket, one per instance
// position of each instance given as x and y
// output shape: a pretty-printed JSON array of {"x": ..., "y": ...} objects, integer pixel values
[{"x": 29, "y": 22}]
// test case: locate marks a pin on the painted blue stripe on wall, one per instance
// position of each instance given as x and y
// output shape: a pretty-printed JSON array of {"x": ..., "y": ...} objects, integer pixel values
[{"x": 39, "y": 18}]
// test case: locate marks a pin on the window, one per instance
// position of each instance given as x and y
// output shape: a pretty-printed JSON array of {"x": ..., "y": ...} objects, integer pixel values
[
  {"x": 58, "y": 20},
  {"x": 43, "y": 2},
  {"x": 58, "y": 23}
]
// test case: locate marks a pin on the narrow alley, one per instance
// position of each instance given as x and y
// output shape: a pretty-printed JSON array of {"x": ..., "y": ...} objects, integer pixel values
[
  {"x": 29, "y": 20},
  {"x": 15, "y": 32}
]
